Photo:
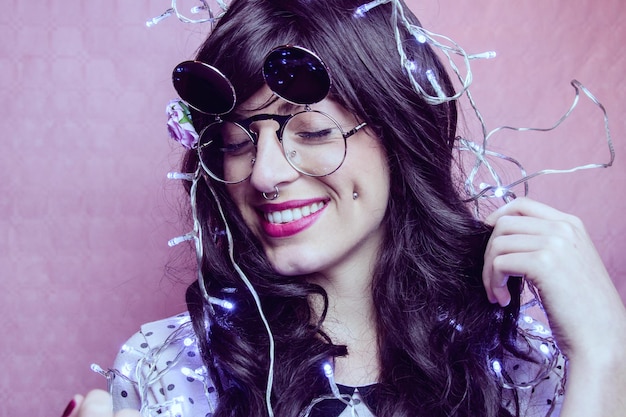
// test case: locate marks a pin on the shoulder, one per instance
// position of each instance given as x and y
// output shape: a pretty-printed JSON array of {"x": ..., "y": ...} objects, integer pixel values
[{"x": 159, "y": 369}]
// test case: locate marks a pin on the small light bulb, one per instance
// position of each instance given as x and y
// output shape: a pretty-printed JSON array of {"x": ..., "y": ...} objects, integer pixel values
[
  {"x": 97, "y": 369},
  {"x": 432, "y": 79},
  {"x": 127, "y": 369},
  {"x": 500, "y": 192},
  {"x": 222, "y": 303},
  {"x": 484, "y": 55},
  {"x": 180, "y": 239},
  {"x": 360, "y": 11},
  {"x": 179, "y": 176}
]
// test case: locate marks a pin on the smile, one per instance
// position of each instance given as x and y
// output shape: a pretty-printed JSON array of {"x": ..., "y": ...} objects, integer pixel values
[{"x": 294, "y": 214}]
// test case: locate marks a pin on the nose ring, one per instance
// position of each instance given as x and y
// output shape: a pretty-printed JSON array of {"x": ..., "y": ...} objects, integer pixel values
[{"x": 274, "y": 196}]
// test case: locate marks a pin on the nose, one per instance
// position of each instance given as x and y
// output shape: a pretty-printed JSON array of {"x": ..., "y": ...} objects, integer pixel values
[{"x": 270, "y": 168}]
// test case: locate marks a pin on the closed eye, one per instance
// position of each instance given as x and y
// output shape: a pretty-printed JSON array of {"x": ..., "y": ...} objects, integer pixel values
[
  {"x": 317, "y": 134},
  {"x": 236, "y": 148}
]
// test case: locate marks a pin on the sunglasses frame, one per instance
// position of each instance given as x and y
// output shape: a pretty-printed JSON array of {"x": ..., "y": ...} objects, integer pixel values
[
  {"x": 190, "y": 76},
  {"x": 317, "y": 73}
]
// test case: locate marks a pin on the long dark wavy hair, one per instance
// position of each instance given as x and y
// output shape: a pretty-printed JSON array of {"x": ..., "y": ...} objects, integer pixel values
[{"x": 436, "y": 330}]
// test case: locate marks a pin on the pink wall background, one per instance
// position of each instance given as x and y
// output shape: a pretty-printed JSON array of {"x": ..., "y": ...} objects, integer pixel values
[{"x": 86, "y": 211}]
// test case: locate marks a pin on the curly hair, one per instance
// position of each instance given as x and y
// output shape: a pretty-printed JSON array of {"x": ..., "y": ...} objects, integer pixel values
[{"x": 436, "y": 329}]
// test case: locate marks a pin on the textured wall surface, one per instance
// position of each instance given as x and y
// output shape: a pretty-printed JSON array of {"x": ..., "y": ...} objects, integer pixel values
[{"x": 85, "y": 210}]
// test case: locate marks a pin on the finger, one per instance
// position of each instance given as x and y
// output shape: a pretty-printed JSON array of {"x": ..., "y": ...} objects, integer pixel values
[
  {"x": 494, "y": 276},
  {"x": 496, "y": 286},
  {"x": 500, "y": 293},
  {"x": 526, "y": 207},
  {"x": 71, "y": 410},
  {"x": 522, "y": 225},
  {"x": 97, "y": 403},
  {"x": 505, "y": 267}
]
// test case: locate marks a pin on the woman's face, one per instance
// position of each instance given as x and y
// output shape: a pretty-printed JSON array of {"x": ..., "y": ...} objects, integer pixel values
[{"x": 327, "y": 225}]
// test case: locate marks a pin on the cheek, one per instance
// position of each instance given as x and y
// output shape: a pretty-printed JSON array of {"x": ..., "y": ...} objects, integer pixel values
[
  {"x": 237, "y": 194},
  {"x": 371, "y": 168}
]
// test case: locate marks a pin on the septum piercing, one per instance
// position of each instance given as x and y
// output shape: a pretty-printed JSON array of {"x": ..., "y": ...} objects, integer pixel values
[{"x": 271, "y": 197}]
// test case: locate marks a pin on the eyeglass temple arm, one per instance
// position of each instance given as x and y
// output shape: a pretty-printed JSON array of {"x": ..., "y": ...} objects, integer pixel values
[{"x": 354, "y": 130}]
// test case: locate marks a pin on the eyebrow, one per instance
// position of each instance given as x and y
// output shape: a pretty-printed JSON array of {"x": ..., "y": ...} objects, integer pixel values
[{"x": 284, "y": 108}]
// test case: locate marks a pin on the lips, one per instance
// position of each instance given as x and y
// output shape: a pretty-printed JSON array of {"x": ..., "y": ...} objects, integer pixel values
[{"x": 287, "y": 219}]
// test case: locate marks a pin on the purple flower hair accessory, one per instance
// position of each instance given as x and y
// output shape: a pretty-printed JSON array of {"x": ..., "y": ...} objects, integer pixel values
[{"x": 179, "y": 124}]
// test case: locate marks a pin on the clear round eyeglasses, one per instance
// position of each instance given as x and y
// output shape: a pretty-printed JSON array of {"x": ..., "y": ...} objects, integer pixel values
[{"x": 313, "y": 142}]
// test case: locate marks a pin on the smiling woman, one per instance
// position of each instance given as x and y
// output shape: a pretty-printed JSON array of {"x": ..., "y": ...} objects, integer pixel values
[
  {"x": 336, "y": 223},
  {"x": 340, "y": 272}
]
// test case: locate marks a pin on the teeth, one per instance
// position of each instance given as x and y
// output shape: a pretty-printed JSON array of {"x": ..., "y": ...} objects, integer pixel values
[{"x": 291, "y": 215}]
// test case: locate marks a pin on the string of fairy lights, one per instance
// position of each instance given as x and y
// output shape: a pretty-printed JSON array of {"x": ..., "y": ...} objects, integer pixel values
[{"x": 496, "y": 187}]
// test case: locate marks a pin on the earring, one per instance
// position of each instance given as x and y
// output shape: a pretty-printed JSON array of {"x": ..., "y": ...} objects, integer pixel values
[{"x": 355, "y": 195}]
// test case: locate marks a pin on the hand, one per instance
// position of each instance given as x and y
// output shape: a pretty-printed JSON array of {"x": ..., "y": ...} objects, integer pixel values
[
  {"x": 553, "y": 251},
  {"x": 96, "y": 403}
]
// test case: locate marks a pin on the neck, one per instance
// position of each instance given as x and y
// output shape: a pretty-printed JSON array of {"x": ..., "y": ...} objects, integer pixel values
[{"x": 351, "y": 321}]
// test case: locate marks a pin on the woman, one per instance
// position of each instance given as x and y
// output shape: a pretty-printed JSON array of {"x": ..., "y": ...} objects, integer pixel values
[{"x": 370, "y": 282}]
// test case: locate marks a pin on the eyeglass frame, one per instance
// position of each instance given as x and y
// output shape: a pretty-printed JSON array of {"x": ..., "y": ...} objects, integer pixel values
[{"x": 282, "y": 121}]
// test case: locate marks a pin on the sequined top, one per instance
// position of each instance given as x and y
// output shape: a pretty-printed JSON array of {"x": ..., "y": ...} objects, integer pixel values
[{"x": 159, "y": 371}]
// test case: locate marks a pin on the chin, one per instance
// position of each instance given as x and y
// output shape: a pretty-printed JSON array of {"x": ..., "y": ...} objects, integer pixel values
[{"x": 291, "y": 269}]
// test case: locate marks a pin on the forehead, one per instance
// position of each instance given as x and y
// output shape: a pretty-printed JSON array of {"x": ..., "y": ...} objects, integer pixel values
[{"x": 264, "y": 101}]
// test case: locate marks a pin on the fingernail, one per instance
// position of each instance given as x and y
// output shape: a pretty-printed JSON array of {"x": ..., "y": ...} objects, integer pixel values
[{"x": 69, "y": 408}]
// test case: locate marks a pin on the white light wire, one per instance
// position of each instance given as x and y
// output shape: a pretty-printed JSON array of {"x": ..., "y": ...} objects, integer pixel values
[
  {"x": 424, "y": 36},
  {"x": 173, "y": 10},
  {"x": 242, "y": 275},
  {"x": 481, "y": 151},
  {"x": 146, "y": 371},
  {"x": 330, "y": 375},
  {"x": 150, "y": 377},
  {"x": 336, "y": 394},
  {"x": 449, "y": 47}
]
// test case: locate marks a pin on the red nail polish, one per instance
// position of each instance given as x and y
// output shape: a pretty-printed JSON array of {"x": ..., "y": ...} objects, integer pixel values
[{"x": 69, "y": 408}]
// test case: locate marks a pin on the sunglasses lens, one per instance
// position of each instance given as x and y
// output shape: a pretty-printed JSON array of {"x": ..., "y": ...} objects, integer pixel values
[
  {"x": 296, "y": 75},
  {"x": 203, "y": 87}
]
